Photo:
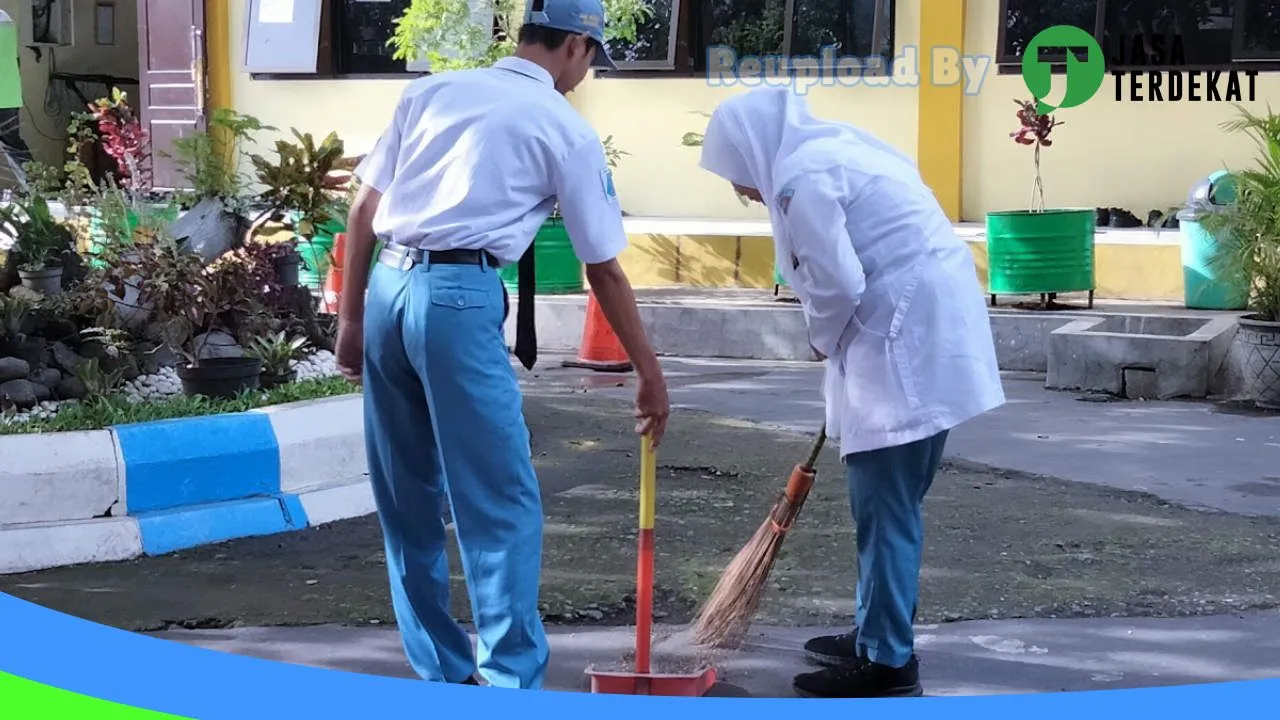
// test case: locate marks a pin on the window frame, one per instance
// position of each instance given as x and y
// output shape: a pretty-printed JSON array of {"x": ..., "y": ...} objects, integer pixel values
[
  {"x": 1266, "y": 59},
  {"x": 695, "y": 18},
  {"x": 1007, "y": 65},
  {"x": 678, "y": 8},
  {"x": 328, "y": 59}
]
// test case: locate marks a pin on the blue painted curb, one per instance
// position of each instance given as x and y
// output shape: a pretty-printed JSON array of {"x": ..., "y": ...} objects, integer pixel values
[
  {"x": 176, "y": 484},
  {"x": 195, "y": 461},
  {"x": 196, "y": 481}
]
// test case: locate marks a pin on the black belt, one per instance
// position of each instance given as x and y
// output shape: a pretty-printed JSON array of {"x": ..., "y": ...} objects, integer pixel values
[{"x": 526, "y": 350}]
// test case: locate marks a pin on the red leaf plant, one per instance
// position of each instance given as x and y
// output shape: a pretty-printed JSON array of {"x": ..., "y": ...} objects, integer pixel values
[
  {"x": 123, "y": 139},
  {"x": 1034, "y": 129}
]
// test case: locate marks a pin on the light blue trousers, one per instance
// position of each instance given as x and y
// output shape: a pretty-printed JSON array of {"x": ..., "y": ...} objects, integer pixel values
[
  {"x": 444, "y": 422},
  {"x": 886, "y": 493}
]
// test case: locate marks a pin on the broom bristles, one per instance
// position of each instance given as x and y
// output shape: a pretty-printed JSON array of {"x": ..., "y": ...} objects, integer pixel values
[{"x": 729, "y": 611}]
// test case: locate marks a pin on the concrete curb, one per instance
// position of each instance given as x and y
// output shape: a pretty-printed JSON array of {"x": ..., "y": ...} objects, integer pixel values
[
  {"x": 158, "y": 487},
  {"x": 1065, "y": 344}
]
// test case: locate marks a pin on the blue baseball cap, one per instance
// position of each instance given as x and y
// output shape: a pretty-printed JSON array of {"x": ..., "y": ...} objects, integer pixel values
[{"x": 583, "y": 17}]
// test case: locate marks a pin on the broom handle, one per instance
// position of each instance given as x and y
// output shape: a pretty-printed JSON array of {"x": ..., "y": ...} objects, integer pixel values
[
  {"x": 644, "y": 559},
  {"x": 817, "y": 449}
]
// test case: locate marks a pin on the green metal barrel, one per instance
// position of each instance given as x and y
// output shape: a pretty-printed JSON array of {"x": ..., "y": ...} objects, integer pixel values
[
  {"x": 317, "y": 253},
  {"x": 1031, "y": 253},
  {"x": 557, "y": 270}
]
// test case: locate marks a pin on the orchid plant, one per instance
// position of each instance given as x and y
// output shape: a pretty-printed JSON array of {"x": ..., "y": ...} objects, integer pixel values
[{"x": 1034, "y": 130}]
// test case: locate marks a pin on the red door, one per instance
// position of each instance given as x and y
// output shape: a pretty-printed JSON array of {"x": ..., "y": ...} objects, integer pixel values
[{"x": 171, "y": 78}]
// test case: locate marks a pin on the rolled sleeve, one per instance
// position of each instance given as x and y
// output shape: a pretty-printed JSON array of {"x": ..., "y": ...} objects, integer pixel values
[
  {"x": 378, "y": 168},
  {"x": 589, "y": 205}
]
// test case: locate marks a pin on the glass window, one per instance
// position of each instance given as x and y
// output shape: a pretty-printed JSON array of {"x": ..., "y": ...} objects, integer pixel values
[
  {"x": 750, "y": 27},
  {"x": 848, "y": 25},
  {"x": 1024, "y": 19},
  {"x": 362, "y": 30},
  {"x": 1168, "y": 33},
  {"x": 1260, "y": 31},
  {"x": 653, "y": 46}
]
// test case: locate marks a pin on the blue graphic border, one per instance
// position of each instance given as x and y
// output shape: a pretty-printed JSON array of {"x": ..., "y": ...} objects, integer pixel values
[{"x": 91, "y": 659}]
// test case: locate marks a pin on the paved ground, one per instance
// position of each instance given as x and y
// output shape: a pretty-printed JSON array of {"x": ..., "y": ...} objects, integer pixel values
[
  {"x": 1002, "y": 543},
  {"x": 967, "y": 658},
  {"x": 1192, "y": 453}
]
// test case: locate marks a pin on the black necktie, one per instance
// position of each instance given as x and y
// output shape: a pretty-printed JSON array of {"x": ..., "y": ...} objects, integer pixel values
[{"x": 526, "y": 350}]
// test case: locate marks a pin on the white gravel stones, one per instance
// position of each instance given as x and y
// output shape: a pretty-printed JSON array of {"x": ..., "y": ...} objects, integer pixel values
[
  {"x": 44, "y": 411},
  {"x": 320, "y": 364},
  {"x": 153, "y": 387},
  {"x": 166, "y": 384}
]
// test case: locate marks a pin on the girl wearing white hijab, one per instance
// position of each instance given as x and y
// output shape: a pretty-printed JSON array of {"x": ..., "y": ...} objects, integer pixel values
[{"x": 894, "y": 308}]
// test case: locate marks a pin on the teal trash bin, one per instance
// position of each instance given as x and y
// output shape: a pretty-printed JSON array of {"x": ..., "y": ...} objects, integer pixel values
[{"x": 1209, "y": 282}]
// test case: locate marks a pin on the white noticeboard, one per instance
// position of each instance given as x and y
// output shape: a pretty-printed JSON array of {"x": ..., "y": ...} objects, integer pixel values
[
  {"x": 282, "y": 36},
  {"x": 275, "y": 12}
]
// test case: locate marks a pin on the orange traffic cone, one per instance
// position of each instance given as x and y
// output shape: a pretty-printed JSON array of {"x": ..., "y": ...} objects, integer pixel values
[
  {"x": 601, "y": 350},
  {"x": 333, "y": 280}
]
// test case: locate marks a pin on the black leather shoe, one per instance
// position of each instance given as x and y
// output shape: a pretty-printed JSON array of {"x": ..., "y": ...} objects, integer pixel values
[
  {"x": 864, "y": 679},
  {"x": 833, "y": 650}
]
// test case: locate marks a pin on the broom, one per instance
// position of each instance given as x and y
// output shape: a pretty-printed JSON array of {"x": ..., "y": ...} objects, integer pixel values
[{"x": 724, "y": 620}]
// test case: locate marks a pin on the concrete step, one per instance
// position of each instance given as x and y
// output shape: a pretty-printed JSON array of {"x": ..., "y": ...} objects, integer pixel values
[{"x": 1163, "y": 350}]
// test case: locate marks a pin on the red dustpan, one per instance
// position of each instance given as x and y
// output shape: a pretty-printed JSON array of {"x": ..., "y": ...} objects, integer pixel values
[{"x": 643, "y": 681}]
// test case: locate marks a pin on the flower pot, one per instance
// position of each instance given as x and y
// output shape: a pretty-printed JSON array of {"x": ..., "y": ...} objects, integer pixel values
[
  {"x": 46, "y": 282},
  {"x": 268, "y": 380},
  {"x": 1038, "y": 253},
  {"x": 287, "y": 268},
  {"x": 223, "y": 377},
  {"x": 557, "y": 270},
  {"x": 1261, "y": 342}
]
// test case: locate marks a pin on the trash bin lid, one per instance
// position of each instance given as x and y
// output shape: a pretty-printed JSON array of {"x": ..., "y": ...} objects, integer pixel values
[{"x": 1216, "y": 189}]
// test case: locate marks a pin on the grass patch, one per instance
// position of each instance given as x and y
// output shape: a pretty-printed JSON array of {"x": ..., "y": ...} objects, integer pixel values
[{"x": 104, "y": 412}]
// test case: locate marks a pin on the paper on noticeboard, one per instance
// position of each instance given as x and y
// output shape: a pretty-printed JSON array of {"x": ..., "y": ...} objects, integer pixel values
[{"x": 275, "y": 11}]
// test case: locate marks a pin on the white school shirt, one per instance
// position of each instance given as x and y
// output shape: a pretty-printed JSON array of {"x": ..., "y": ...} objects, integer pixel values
[
  {"x": 891, "y": 297},
  {"x": 475, "y": 159}
]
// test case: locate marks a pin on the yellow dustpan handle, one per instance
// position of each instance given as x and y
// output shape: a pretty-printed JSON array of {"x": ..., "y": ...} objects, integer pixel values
[{"x": 648, "y": 483}]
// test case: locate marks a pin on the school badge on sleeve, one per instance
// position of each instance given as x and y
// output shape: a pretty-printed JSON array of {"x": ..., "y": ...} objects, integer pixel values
[
  {"x": 784, "y": 199},
  {"x": 606, "y": 184}
]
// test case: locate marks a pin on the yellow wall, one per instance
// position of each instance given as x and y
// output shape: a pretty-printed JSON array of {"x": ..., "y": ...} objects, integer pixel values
[
  {"x": 1129, "y": 271},
  {"x": 1138, "y": 156},
  {"x": 45, "y": 116},
  {"x": 647, "y": 118}
]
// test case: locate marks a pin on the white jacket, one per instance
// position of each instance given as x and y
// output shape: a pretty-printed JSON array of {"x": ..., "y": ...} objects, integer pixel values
[{"x": 890, "y": 294}]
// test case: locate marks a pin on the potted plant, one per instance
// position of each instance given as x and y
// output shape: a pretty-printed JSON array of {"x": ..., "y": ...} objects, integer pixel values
[
  {"x": 217, "y": 199},
  {"x": 122, "y": 201},
  {"x": 303, "y": 187},
  {"x": 278, "y": 354},
  {"x": 1248, "y": 230},
  {"x": 1039, "y": 251},
  {"x": 188, "y": 303},
  {"x": 42, "y": 243},
  {"x": 458, "y": 35}
]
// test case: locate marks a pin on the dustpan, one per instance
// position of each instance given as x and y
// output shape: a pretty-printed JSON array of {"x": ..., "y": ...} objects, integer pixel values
[{"x": 643, "y": 681}]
